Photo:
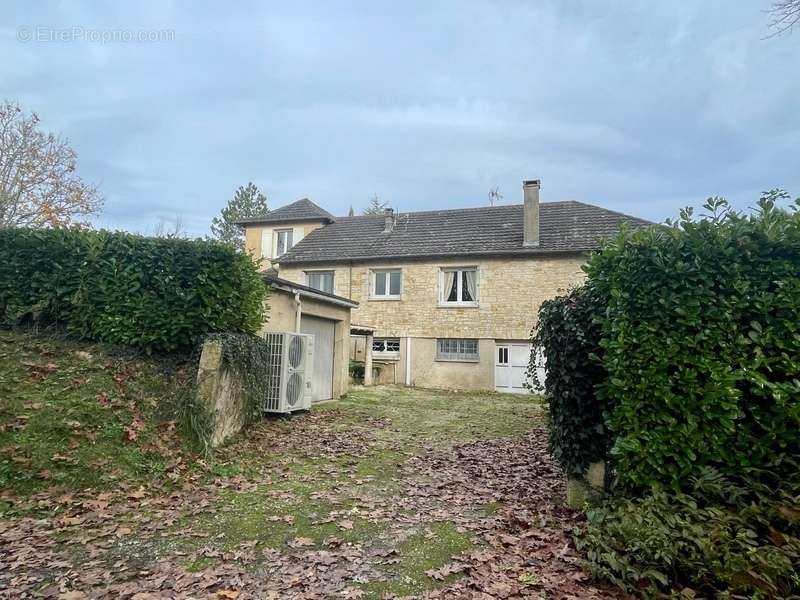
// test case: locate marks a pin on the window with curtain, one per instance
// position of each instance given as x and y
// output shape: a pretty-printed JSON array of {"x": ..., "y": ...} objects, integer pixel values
[
  {"x": 459, "y": 349},
  {"x": 386, "y": 283},
  {"x": 459, "y": 285},
  {"x": 320, "y": 280}
]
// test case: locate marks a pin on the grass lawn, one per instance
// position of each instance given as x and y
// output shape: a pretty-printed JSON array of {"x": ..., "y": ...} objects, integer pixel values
[{"x": 373, "y": 496}]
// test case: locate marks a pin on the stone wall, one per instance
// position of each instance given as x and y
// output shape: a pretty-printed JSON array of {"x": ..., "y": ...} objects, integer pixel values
[
  {"x": 510, "y": 292},
  {"x": 219, "y": 394}
]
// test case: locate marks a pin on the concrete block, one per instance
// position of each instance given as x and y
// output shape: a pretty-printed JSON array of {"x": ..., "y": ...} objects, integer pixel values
[
  {"x": 582, "y": 489},
  {"x": 596, "y": 475}
]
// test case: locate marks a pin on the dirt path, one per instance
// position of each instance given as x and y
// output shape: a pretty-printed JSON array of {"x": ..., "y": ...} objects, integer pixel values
[{"x": 392, "y": 493}]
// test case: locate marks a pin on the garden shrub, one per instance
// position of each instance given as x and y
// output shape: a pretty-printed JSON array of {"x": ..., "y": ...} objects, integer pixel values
[
  {"x": 154, "y": 294},
  {"x": 701, "y": 342},
  {"x": 717, "y": 540},
  {"x": 569, "y": 336}
]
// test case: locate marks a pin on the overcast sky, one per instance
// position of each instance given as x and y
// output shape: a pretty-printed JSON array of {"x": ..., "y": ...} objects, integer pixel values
[{"x": 642, "y": 107}]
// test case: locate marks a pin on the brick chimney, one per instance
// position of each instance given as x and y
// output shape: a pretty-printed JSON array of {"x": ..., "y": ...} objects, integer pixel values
[
  {"x": 530, "y": 213},
  {"x": 388, "y": 220}
]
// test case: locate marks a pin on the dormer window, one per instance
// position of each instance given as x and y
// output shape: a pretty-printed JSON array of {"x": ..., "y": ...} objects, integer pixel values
[{"x": 283, "y": 241}]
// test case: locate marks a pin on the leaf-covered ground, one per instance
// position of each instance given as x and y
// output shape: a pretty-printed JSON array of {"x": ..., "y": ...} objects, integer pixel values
[{"x": 389, "y": 493}]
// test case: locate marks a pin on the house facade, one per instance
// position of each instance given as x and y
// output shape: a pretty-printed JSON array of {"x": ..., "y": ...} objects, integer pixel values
[{"x": 452, "y": 295}]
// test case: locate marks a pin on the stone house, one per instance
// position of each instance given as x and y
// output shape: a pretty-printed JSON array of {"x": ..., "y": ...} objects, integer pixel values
[{"x": 445, "y": 298}]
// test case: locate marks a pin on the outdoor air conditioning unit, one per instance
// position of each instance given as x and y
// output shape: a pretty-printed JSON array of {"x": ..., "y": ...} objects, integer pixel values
[{"x": 290, "y": 363}]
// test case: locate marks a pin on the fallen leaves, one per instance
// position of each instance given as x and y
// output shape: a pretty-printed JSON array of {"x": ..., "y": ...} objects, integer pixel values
[
  {"x": 132, "y": 431},
  {"x": 523, "y": 547},
  {"x": 300, "y": 542}
]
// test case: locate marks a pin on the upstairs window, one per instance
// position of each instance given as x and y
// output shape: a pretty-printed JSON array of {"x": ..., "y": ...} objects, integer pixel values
[
  {"x": 459, "y": 286},
  {"x": 320, "y": 280},
  {"x": 457, "y": 349},
  {"x": 283, "y": 241},
  {"x": 386, "y": 284},
  {"x": 390, "y": 346}
]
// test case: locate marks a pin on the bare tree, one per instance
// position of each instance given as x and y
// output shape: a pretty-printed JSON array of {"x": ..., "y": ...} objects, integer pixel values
[
  {"x": 39, "y": 186},
  {"x": 783, "y": 15},
  {"x": 167, "y": 228}
]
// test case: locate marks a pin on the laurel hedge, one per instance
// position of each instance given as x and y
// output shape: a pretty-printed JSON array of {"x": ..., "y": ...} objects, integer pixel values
[
  {"x": 679, "y": 363},
  {"x": 153, "y": 294},
  {"x": 701, "y": 343}
]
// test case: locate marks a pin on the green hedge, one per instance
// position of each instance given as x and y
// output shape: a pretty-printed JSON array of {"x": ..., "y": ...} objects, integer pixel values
[
  {"x": 154, "y": 294},
  {"x": 717, "y": 539},
  {"x": 569, "y": 336},
  {"x": 701, "y": 339}
]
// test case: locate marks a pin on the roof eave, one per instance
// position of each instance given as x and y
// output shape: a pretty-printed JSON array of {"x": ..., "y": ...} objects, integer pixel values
[
  {"x": 525, "y": 252},
  {"x": 291, "y": 287},
  {"x": 268, "y": 221}
]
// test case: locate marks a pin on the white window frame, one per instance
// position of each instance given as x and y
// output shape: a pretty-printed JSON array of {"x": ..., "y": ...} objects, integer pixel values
[
  {"x": 459, "y": 271},
  {"x": 373, "y": 276},
  {"x": 378, "y": 341},
  {"x": 289, "y": 240},
  {"x": 330, "y": 272},
  {"x": 457, "y": 350}
]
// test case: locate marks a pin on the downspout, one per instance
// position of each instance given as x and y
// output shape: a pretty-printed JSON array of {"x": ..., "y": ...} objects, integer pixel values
[
  {"x": 408, "y": 360},
  {"x": 298, "y": 312}
]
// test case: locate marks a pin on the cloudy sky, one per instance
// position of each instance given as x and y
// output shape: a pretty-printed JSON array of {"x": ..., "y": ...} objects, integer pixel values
[{"x": 643, "y": 107}]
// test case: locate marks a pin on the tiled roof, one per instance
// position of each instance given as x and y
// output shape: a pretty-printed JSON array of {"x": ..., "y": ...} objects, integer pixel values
[
  {"x": 302, "y": 210},
  {"x": 492, "y": 230}
]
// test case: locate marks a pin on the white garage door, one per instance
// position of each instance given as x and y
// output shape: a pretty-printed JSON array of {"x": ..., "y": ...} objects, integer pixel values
[
  {"x": 511, "y": 365},
  {"x": 322, "y": 372}
]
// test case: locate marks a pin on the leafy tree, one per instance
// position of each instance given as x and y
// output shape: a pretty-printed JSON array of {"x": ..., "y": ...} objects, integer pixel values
[
  {"x": 248, "y": 201},
  {"x": 38, "y": 182},
  {"x": 376, "y": 207}
]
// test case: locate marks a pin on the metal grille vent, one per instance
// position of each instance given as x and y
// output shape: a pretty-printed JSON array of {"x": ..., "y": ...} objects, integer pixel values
[{"x": 272, "y": 401}]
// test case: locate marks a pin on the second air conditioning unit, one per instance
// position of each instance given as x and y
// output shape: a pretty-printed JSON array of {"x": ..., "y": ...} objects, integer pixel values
[{"x": 290, "y": 359}]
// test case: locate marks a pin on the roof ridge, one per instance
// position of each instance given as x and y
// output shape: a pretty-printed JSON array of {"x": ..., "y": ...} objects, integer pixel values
[{"x": 464, "y": 208}]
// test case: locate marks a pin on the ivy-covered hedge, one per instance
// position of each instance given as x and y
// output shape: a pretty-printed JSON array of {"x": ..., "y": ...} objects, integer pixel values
[
  {"x": 701, "y": 340},
  {"x": 569, "y": 336},
  {"x": 154, "y": 294}
]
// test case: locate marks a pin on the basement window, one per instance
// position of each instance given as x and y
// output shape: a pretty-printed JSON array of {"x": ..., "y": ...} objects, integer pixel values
[
  {"x": 320, "y": 280},
  {"x": 457, "y": 349},
  {"x": 386, "y": 346}
]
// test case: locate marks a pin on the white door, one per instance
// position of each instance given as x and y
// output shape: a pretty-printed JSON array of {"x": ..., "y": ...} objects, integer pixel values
[
  {"x": 510, "y": 367},
  {"x": 322, "y": 371}
]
